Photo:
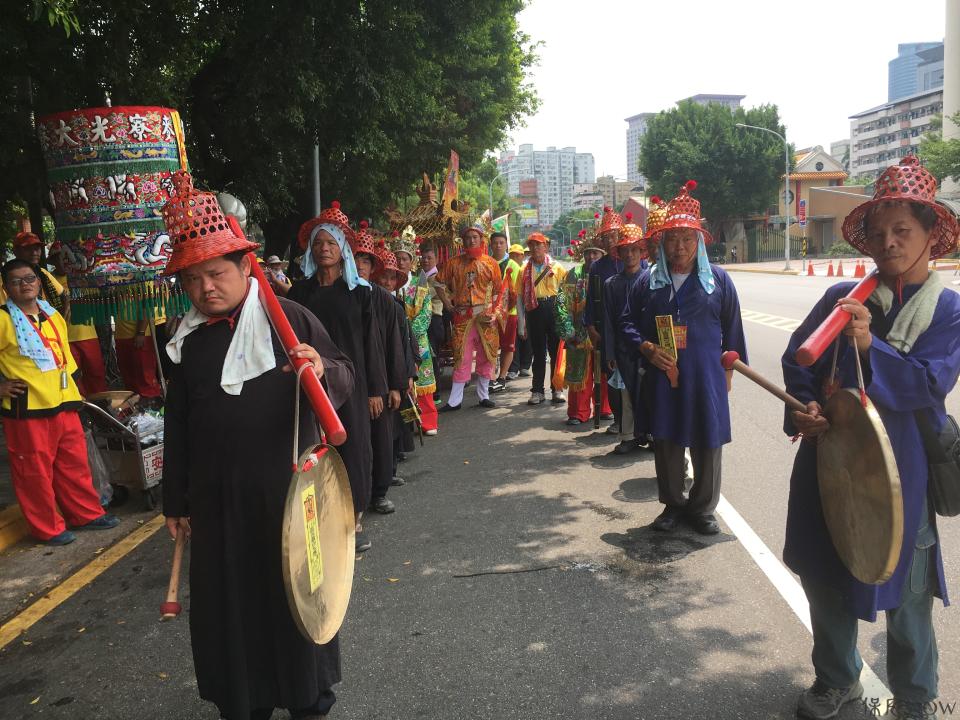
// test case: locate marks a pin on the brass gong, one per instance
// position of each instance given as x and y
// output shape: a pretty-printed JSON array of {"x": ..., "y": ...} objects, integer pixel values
[
  {"x": 860, "y": 488},
  {"x": 318, "y": 544}
]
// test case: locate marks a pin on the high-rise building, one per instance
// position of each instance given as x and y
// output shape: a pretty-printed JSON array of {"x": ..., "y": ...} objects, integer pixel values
[
  {"x": 636, "y": 129},
  {"x": 730, "y": 101},
  {"x": 882, "y": 135},
  {"x": 902, "y": 71},
  {"x": 615, "y": 192},
  {"x": 556, "y": 172},
  {"x": 840, "y": 151}
]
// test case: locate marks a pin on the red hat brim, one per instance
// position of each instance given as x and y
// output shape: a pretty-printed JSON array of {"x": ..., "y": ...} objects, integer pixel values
[
  {"x": 200, "y": 249},
  {"x": 682, "y": 222},
  {"x": 943, "y": 234}
]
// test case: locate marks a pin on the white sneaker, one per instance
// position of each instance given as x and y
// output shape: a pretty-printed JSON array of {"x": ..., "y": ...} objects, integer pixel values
[
  {"x": 536, "y": 398},
  {"x": 558, "y": 397},
  {"x": 430, "y": 433}
]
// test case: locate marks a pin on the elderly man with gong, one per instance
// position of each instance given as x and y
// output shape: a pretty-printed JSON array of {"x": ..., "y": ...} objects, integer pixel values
[
  {"x": 681, "y": 316},
  {"x": 901, "y": 346},
  {"x": 470, "y": 284},
  {"x": 230, "y": 431}
]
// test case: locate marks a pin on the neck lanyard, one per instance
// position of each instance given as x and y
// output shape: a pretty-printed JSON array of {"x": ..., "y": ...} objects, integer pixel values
[{"x": 61, "y": 366}]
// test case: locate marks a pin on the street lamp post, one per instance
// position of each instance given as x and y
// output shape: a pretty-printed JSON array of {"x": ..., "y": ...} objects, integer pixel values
[{"x": 786, "y": 187}]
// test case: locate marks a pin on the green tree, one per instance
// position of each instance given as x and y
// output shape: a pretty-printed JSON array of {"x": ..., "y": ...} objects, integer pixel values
[
  {"x": 384, "y": 88},
  {"x": 738, "y": 171},
  {"x": 941, "y": 157},
  {"x": 573, "y": 221}
]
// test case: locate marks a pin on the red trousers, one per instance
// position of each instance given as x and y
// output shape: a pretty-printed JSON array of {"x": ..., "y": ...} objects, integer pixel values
[
  {"x": 93, "y": 374},
  {"x": 138, "y": 367},
  {"x": 48, "y": 466},
  {"x": 428, "y": 411},
  {"x": 580, "y": 403}
]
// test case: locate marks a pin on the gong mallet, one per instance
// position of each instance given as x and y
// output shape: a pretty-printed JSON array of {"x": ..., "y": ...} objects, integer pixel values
[
  {"x": 171, "y": 608},
  {"x": 730, "y": 360}
]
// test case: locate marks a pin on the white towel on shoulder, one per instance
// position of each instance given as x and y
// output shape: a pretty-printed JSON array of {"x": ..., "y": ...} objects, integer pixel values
[
  {"x": 250, "y": 354},
  {"x": 915, "y": 316}
]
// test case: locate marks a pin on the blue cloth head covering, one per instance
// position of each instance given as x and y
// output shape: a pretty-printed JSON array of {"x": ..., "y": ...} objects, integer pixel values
[
  {"x": 660, "y": 273},
  {"x": 350, "y": 274},
  {"x": 28, "y": 340}
]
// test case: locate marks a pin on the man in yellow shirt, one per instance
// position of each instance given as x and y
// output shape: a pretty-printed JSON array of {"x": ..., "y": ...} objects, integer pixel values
[
  {"x": 45, "y": 441},
  {"x": 510, "y": 270},
  {"x": 539, "y": 283}
]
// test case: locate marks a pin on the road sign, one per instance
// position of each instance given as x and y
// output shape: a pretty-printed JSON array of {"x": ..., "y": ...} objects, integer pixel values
[{"x": 802, "y": 214}]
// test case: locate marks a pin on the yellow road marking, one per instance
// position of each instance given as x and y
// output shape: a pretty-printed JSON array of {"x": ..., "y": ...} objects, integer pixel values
[
  {"x": 80, "y": 579},
  {"x": 773, "y": 321}
]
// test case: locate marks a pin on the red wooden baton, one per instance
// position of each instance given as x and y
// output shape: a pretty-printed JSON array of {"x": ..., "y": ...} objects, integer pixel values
[
  {"x": 326, "y": 414},
  {"x": 820, "y": 339}
]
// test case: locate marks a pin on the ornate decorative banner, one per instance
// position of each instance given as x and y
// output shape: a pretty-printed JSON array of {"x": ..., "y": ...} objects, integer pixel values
[{"x": 109, "y": 172}]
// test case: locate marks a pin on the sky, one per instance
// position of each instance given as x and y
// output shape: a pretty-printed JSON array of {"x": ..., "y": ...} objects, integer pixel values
[{"x": 819, "y": 61}]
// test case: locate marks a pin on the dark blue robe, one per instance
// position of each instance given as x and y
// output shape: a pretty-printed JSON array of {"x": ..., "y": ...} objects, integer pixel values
[
  {"x": 600, "y": 271},
  {"x": 617, "y": 348},
  {"x": 697, "y": 413},
  {"x": 897, "y": 385}
]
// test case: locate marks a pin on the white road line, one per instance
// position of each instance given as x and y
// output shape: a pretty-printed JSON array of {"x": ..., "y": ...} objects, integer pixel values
[
  {"x": 788, "y": 587},
  {"x": 776, "y": 322}
]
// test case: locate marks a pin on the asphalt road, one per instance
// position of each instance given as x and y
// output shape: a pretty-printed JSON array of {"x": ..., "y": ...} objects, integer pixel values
[{"x": 517, "y": 579}]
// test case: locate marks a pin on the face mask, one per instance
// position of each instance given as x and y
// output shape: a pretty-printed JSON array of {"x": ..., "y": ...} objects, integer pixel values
[{"x": 475, "y": 252}]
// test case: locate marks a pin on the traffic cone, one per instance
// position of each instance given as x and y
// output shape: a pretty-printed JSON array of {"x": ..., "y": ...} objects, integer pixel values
[
  {"x": 839, "y": 268},
  {"x": 810, "y": 269},
  {"x": 830, "y": 269},
  {"x": 861, "y": 270}
]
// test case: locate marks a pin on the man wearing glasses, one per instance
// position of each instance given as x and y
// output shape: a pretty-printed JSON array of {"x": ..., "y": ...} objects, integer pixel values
[{"x": 38, "y": 403}]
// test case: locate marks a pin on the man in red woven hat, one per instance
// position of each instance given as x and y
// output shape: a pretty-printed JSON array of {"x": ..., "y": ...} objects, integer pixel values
[
  {"x": 608, "y": 228},
  {"x": 907, "y": 337},
  {"x": 370, "y": 261},
  {"x": 471, "y": 282},
  {"x": 333, "y": 290},
  {"x": 229, "y": 434},
  {"x": 625, "y": 373},
  {"x": 540, "y": 281},
  {"x": 681, "y": 316}
]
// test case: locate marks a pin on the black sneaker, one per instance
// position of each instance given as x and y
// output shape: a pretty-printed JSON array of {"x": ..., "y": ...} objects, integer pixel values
[
  {"x": 820, "y": 702},
  {"x": 498, "y": 386},
  {"x": 398, "y": 481},
  {"x": 487, "y": 403},
  {"x": 704, "y": 524},
  {"x": 382, "y": 505},
  {"x": 449, "y": 408},
  {"x": 667, "y": 520}
]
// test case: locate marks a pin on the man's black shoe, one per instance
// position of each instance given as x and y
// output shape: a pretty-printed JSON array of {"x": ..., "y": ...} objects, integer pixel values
[
  {"x": 487, "y": 403},
  {"x": 704, "y": 524},
  {"x": 497, "y": 386},
  {"x": 625, "y": 447},
  {"x": 362, "y": 542},
  {"x": 449, "y": 408},
  {"x": 382, "y": 505},
  {"x": 667, "y": 520}
]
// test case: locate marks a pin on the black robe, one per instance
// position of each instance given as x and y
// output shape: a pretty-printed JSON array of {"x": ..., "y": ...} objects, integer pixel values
[
  {"x": 226, "y": 466},
  {"x": 383, "y": 429},
  {"x": 403, "y": 432},
  {"x": 349, "y": 318}
]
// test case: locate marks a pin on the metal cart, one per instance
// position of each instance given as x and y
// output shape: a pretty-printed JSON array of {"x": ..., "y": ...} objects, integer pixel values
[{"x": 131, "y": 464}]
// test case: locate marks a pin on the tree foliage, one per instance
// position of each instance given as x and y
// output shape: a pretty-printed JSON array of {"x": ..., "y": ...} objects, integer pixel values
[
  {"x": 384, "y": 88},
  {"x": 941, "y": 157},
  {"x": 738, "y": 170}
]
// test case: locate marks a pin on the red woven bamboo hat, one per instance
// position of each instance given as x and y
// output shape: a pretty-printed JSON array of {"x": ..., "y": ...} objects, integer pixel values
[
  {"x": 197, "y": 227},
  {"x": 388, "y": 262},
  {"x": 656, "y": 216},
  {"x": 364, "y": 242},
  {"x": 907, "y": 182},
  {"x": 333, "y": 215},
  {"x": 537, "y": 238},
  {"x": 684, "y": 212},
  {"x": 610, "y": 220}
]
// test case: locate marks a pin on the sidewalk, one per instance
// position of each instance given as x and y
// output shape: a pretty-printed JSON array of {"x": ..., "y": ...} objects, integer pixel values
[{"x": 820, "y": 266}]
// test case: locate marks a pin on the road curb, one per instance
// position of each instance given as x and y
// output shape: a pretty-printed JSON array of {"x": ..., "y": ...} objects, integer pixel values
[
  {"x": 13, "y": 526},
  {"x": 759, "y": 271}
]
